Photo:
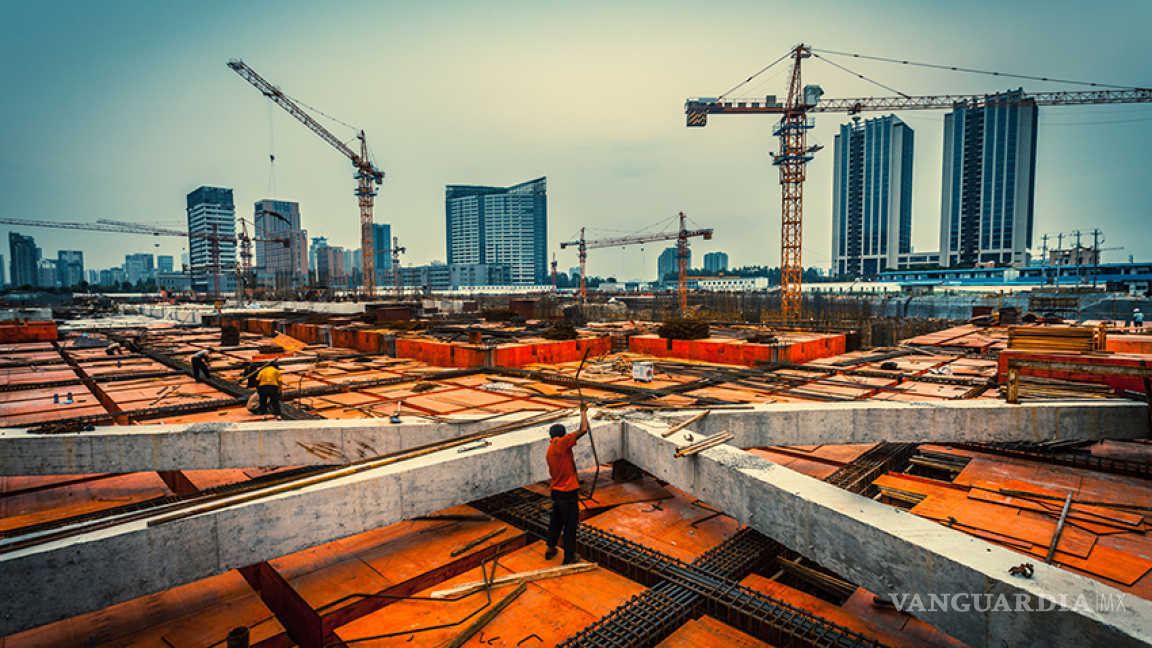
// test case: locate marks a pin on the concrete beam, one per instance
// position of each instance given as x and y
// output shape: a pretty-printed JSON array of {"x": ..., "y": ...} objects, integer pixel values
[
  {"x": 209, "y": 446},
  {"x": 297, "y": 443},
  {"x": 94, "y": 570},
  {"x": 924, "y": 422},
  {"x": 893, "y": 553}
]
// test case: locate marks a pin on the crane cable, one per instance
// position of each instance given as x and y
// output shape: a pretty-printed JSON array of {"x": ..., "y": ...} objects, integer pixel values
[
  {"x": 975, "y": 71},
  {"x": 861, "y": 76},
  {"x": 749, "y": 79}
]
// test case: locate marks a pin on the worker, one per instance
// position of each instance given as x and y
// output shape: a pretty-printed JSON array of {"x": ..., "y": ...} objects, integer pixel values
[
  {"x": 200, "y": 365},
  {"x": 1137, "y": 318},
  {"x": 268, "y": 386},
  {"x": 249, "y": 374},
  {"x": 565, "y": 503},
  {"x": 114, "y": 349}
]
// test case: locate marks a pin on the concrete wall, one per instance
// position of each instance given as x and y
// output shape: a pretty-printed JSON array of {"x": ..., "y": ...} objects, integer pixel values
[{"x": 892, "y": 552}]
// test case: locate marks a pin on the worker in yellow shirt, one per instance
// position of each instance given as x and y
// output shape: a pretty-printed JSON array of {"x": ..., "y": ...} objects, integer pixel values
[{"x": 268, "y": 385}]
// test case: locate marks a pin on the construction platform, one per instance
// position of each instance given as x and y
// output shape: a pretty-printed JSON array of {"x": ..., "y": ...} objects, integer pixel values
[{"x": 342, "y": 532}]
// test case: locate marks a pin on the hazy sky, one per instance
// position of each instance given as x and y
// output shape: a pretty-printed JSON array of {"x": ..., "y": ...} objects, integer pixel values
[{"x": 118, "y": 109}]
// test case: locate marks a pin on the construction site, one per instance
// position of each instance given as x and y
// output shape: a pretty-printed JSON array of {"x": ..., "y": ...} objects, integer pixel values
[{"x": 741, "y": 484}]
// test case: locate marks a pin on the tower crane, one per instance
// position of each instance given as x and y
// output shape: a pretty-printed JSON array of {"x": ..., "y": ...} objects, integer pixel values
[
  {"x": 794, "y": 152},
  {"x": 554, "y": 264},
  {"x": 366, "y": 173},
  {"x": 681, "y": 236},
  {"x": 121, "y": 227}
]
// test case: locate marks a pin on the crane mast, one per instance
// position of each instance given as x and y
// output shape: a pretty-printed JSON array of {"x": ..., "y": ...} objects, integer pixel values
[
  {"x": 794, "y": 152},
  {"x": 367, "y": 175},
  {"x": 681, "y": 236}
]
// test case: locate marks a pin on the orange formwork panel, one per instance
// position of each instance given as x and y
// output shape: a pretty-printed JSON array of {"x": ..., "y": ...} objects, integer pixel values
[
  {"x": 707, "y": 632},
  {"x": 197, "y": 614},
  {"x": 667, "y": 526},
  {"x": 67, "y": 500},
  {"x": 11, "y": 332},
  {"x": 1135, "y": 344},
  {"x": 1119, "y": 383}
]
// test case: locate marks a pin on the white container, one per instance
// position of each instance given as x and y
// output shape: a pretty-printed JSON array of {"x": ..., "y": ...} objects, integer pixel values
[{"x": 642, "y": 371}]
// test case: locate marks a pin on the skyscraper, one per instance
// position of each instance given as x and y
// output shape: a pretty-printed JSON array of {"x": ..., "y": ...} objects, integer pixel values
[
  {"x": 667, "y": 263},
  {"x": 211, "y": 211},
  {"x": 279, "y": 265},
  {"x": 164, "y": 262},
  {"x": 989, "y": 181},
  {"x": 871, "y": 196},
  {"x": 382, "y": 240},
  {"x": 139, "y": 267},
  {"x": 716, "y": 262},
  {"x": 317, "y": 243},
  {"x": 69, "y": 267},
  {"x": 22, "y": 252},
  {"x": 494, "y": 225}
]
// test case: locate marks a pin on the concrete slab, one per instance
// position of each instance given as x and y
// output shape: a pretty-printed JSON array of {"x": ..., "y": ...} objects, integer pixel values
[
  {"x": 898, "y": 554},
  {"x": 90, "y": 571}
]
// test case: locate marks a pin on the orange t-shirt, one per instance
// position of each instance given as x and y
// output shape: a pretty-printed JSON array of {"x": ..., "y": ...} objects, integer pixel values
[{"x": 561, "y": 464}]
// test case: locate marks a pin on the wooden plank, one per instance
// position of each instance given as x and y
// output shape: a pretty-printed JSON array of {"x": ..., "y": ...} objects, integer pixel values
[
  {"x": 681, "y": 426},
  {"x": 514, "y": 579}
]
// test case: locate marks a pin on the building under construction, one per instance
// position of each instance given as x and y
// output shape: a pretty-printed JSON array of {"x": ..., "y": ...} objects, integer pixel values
[{"x": 977, "y": 485}]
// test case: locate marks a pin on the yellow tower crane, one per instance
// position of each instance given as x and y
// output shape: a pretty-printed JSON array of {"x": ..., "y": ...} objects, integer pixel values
[
  {"x": 367, "y": 175},
  {"x": 681, "y": 236}
]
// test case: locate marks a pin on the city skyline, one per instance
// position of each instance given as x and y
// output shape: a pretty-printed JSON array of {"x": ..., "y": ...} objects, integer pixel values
[{"x": 602, "y": 117}]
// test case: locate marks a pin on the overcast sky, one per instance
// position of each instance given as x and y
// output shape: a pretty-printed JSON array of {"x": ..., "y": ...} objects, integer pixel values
[{"x": 118, "y": 109}]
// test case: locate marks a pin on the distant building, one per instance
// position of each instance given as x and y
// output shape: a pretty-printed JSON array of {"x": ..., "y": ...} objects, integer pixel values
[
  {"x": 716, "y": 262},
  {"x": 871, "y": 196},
  {"x": 46, "y": 274},
  {"x": 667, "y": 263},
  {"x": 94, "y": 277},
  {"x": 732, "y": 284},
  {"x": 382, "y": 241},
  {"x": 317, "y": 243},
  {"x": 3, "y": 273},
  {"x": 23, "y": 257},
  {"x": 574, "y": 273},
  {"x": 503, "y": 226},
  {"x": 330, "y": 266},
  {"x": 212, "y": 212},
  {"x": 139, "y": 267},
  {"x": 173, "y": 281},
  {"x": 112, "y": 277},
  {"x": 280, "y": 264},
  {"x": 69, "y": 267},
  {"x": 164, "y": 263},
  {"x": 989, "y": 181},
  {"x": 1076, "y": 256}
]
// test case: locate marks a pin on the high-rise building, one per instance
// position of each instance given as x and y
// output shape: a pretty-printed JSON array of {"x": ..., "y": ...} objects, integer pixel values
[
  {"x": 871, "y": 196},
  {"x": 139, "y": 267},
  {"x": 212, "y": 212},
  {"x": 164, "y": 263},
  {"x": 69, "y": 267},
  {"x": 22, "y": 255},
  {"x": 500, "y": 226},
  {"x": 317, "y": 243},
  {"x": 282, "y": 264},
  {"x": 667, "y": 263},
  {"x": 330, "y": 271},
  {"x": 382, "y": 240},
  {"x": 716, "y": 262},
  {"x": 3, "y": 281},
  {"x": 989, "y": 181},
  {"x": 93, "y": 277},
  {"x": 46, "y": 273}
]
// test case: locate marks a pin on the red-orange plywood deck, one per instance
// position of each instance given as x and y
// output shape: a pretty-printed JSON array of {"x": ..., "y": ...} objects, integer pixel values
[{"x": 707, "y": 632}]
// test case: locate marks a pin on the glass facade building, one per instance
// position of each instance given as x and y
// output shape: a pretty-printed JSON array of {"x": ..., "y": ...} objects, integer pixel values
[
  {"x": 500, "y": 226},
  {"x": 989, "y": 181},
  {"x": 871, "y": 196},
  {"x": 716, "y": 262},
  {"x": 381, "y": 241},
  {"x": 23, "y": 257},
  {"x": 211, "y": 210},
  {"x": 280, "y": 266}
]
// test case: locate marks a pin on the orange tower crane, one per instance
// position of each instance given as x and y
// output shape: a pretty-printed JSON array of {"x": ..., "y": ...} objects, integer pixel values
[
  {"x": 794, "y": 124},
  {"x": 681, "y": 236},
  {"x": 367, "y": 175}
]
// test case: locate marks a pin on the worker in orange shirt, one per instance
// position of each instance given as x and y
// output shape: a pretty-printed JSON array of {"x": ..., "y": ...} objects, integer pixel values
[
  {"x": 565, "y": 503},
  {"x": 268, "y": 385}
]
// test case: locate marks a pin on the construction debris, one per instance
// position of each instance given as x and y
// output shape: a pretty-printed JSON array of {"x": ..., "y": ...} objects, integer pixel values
[{"x": 683, "y": 329}]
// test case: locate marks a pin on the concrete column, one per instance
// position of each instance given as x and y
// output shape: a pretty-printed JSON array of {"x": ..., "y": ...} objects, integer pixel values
[
  {"x": 894, "y": 553},
  {"x": 94, "y": 570}
]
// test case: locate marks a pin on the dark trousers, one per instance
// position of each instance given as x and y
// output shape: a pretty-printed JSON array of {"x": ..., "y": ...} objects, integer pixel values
[
  {"x": 565, "y": 516},
  {"x": 199, "y": 367},
  {"x": 269, "y": 394}
]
